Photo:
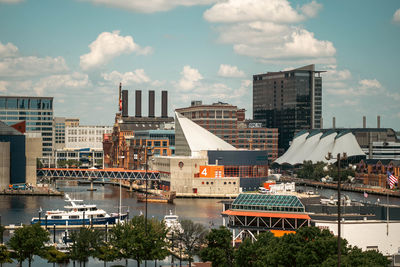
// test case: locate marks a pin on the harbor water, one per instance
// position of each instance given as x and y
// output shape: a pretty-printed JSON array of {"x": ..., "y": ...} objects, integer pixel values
[{"x": 20, "y": 209}]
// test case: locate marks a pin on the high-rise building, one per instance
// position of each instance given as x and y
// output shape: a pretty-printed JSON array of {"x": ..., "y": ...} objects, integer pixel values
[
  {"x": 288, "y": 100},
  {"x": 38, "y": 114}
]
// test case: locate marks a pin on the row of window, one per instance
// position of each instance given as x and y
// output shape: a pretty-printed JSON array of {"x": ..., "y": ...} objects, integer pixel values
[
  {"x": 25, "y": 103},
  {"x": 28, "y": 113}
]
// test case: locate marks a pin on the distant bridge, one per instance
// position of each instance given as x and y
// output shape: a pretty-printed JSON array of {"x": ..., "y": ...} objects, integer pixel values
[{"x": 111, "y": 173}]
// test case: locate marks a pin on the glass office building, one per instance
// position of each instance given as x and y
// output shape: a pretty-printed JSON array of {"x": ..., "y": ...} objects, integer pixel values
[
  {"x": 36, "y": 111},
  {"x": 288, "y": 100}
]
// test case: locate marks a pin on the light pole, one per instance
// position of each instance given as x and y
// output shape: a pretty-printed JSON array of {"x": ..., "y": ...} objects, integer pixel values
[
  {"x": 339, "y": 157},
  {"x": 148, "y": 154}
]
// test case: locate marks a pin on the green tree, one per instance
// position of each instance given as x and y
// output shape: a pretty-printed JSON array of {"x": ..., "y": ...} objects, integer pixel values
[
  {"x": 5, "y": 256},
  {"x": 191, "y": 238},
  {"x": 259, "y": 253},
  {"x": 156, "y": 240},
  {"x": 28, "y": 241},
  {"x": 218, "y": 248},
  {"x": 106, "y": 253},
  {"x": 55, "y": 256},
  {"x": 85, "y": 243},
  {"x": 132, "y": 242}
]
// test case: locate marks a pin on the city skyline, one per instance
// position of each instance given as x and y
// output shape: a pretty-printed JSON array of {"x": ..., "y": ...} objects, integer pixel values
[{"x": 79, "y": 51}]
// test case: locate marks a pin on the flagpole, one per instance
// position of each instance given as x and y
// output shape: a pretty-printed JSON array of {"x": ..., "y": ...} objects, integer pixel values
[{"x": 387, "y": 213}]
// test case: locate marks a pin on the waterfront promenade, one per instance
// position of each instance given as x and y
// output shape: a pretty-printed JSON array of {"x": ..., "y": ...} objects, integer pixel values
[{"x": 359, "y": 188}]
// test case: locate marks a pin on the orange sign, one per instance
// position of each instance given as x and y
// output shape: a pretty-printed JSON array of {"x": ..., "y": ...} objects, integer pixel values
[{"x": 211, "y": 171}]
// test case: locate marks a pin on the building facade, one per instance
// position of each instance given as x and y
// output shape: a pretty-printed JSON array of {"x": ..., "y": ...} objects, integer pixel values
[
  {"x": 288, "y": 100},
  {"x": 219, "y": 118},
  {"x": 228, "y": 123},
  {"x": 86, "y": 136},
  {"x": 38, "y": 114}
]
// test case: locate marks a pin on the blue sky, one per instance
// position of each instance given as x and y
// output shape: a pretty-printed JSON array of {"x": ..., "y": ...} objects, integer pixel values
[{"x": 79, "y": 50}]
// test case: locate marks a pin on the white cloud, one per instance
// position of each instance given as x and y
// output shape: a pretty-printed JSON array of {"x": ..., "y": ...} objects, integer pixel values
[
  {"x": 396, "y": 16},
  {"x": 267, "y": 31},
  {"x": 252, "y": 10},
  {"x": 366, "y": 84},
  {"x": 67, "y": 81},
  {"x": 311, "y": 9},
  {"x": 190, "y": 77},
  {"x": 8, "y": 50},
  {"x": 293, "y": 44},
  {"x": 109, "y": 45},
  {"x": 137, "y": 76},
  {"x": 11, "y": 1},
  {"x": 3, "y": 86},
  {"x": 150, "y": 6},
  {"x": 31, "y": 66},
  {"x": 230, "y": 71},
  {"x": 345, "y": 102},
  {"x": 365, "y": 88}
]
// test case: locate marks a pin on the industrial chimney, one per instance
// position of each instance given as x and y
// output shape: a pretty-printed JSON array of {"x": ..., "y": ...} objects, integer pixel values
[
  {"x": 378, "y": 122},
  {"x": 334, "y": 123},
  {"x": 151, "y": 104},
  {"x": 138, "y": 107},
  {"x": 164, "y": 104},
  {"x": 364, "y": 122},
  {"x": 124, "y": 103}
]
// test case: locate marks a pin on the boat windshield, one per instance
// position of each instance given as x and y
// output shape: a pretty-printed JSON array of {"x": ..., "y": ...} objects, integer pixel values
[{"x": 171, "y": 217}]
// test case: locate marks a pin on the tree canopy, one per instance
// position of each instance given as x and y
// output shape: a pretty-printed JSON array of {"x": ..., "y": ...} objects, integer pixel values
[
  {"x": 28, "y": 241},
  {"x": 191, "y": 238},
  {"x": 310, "y": 246},
  {"x": 218, "y": 247},
  {"x": 85, "y": 243}
]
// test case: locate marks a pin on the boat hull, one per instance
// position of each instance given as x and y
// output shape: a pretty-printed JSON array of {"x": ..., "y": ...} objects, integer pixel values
[{"x": 88, "y": 221}]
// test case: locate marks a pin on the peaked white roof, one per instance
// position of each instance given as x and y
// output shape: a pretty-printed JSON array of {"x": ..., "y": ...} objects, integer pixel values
[
  {"x": 315, "y": 146},
  {"x": 199, "y": 139},
  {"x": 297, "y": 142},
  {"x": 310, "y": 144},
  {"x": 325, "y": 145}
]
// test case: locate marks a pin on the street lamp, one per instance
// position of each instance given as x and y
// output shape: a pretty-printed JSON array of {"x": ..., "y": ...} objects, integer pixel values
[
  {"x": 148, "y": 154},
  {"x": 339, "y": 157}
]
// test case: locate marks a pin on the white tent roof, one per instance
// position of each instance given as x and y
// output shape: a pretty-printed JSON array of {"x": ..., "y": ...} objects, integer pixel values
[
  {"x": 297, "y": 142},
  {"x": 325, "y": 145},
  {"x": 200, "y": 139},
  {"x": 315, "y": 146},
  {"x": 310, "y": 144},
  {"x": 346, "y": 142}
]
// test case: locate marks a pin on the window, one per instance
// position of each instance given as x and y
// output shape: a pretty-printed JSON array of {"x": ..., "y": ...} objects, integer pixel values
[
  {"x": 164, "y": 143},
  {"x": 12, "y": 103},
  {"x": 74, "y": 217},
  {"x": 148, "y": 143},
  {"x": 157, "y": 143}
]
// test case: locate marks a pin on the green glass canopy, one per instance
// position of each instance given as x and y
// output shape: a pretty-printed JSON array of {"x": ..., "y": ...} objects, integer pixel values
[{"x": 265, "y": 202}]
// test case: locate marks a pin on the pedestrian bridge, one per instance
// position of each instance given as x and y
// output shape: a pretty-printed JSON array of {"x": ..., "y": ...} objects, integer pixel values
[{"x": 110, "y": 173}]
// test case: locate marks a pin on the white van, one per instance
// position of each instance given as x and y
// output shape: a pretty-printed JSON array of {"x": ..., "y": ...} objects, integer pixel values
[{"x": 262, "y": 190}]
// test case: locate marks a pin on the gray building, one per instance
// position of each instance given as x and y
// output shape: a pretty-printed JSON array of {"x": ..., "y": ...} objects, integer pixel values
[
  {"x": 288, "y": 100},
  {"x": 12, "y": 156},
  {"x": 38, "y": 114}
]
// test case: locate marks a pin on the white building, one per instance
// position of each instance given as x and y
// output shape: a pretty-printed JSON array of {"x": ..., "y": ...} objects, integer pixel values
[
  {"x": 86, "y": 136},
  {"x": 368, "y": 234}
]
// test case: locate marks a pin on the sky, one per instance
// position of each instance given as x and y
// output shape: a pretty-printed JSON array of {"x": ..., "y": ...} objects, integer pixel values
[{"x": 78, "y": 51}]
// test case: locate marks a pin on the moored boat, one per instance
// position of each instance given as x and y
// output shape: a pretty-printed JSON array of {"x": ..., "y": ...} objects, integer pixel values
[
  {"x": 78, "y": 214},
  {"x": 163, "y": 197},
  {"x": 172, "y": 223}
]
